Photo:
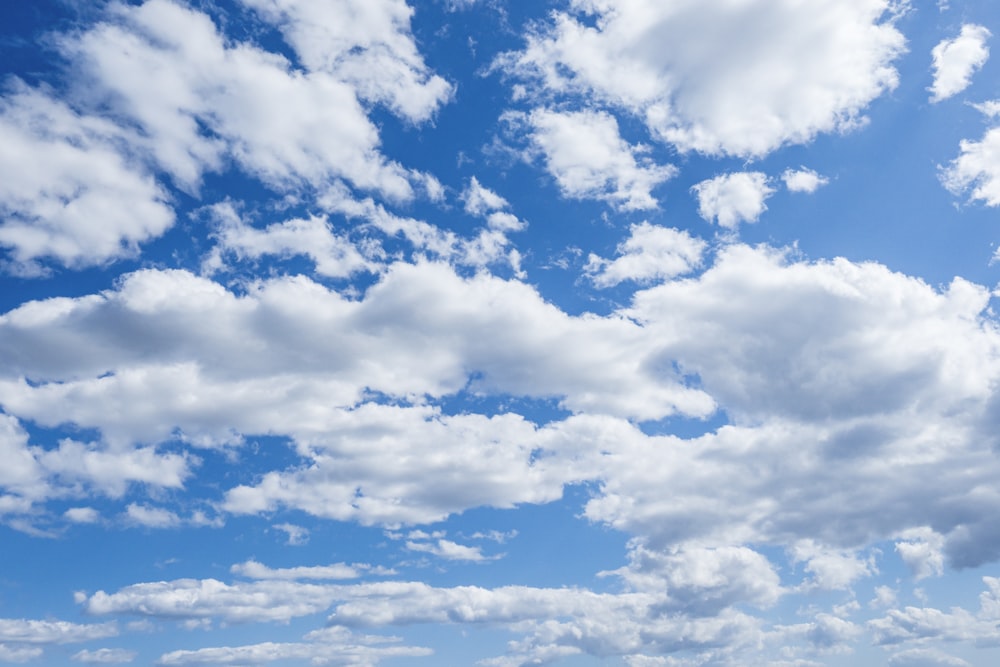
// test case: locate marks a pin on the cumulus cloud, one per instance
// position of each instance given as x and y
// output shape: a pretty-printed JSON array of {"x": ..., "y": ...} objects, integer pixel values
[
  {"x": 803, "y": 180},
  {"x": 585, "y": 153},
  {"x": 977, "y": 168},
  {"x": 956, "y": 60},
  {"x": 212, "y": 100},
  {"x": 189, "y": 599},
  {"x": 831, "y": 568},
  {"x": 925, "y": 657},
  {"x": 26, "y": 631},
  {"x": 296, "y": 536},
  {"x": 254, "y": 570},
  {"x": 739, "y": 79},
  {"x": 921, "y": 550},
  {"x": 447, "y": 550},
  {"x": 730, "y": 199},
  {"x": 332, "y": 254},
  {"x": 68, "y": 193},
  {"x": 374, "y": 51},
  {"x": 151, "y": 517},
  {"x": 331, "y": 646},
  {"x": 649, "y": 253},
  {"x": 19, "y": 654},
  {"x": 105, "y": 656}
]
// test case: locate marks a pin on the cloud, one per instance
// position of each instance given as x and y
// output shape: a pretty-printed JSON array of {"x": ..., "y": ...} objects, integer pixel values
[
  {"x": 956, "y": 60},
  {"x": 921, "y": 550},
  {"x": 151, "y": 517},
  {"x": 331, "y": 646},
  {"x": 925, "y": 657},
  {"x": 480, "y": 200},
  {"x": 740, "y": 79},
  {"x": 296, "y": 535},
  {"x": 68, "y": 192},
  {"x": 977, "y": 168},
  {"x": 448, "y": 550},
  {"x": 832, "y": 569},
  {"x": 82, "y": 515},
  {"x": 189, "y": 599},
  {"x": 650, "y": 253},
  {"x": 19, "y": 654},
  {"x": 490, "y": 246},
  {"x": 105, "y": 656},
  {"x": 25, "y": 631},
  {"x": 374, "y": 50},
  {"x": 587, "y": 156},
  {"x": 254, "y": 570},
  {"x": 212, "y": 100},
  {"x": 730, "y": 199},
  {"x": 803, "y": 180},
  {"x": 333, "y": 255}
]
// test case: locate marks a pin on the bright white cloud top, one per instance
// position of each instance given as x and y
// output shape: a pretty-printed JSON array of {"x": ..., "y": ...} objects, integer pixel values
[
  {"x": 591, "y": 332},
  {"x": 956, "y": 60}
]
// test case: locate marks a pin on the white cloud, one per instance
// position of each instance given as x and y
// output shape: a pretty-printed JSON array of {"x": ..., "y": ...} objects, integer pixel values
[
  {"x": 649, "y": 253},
  {"x": 956, "y": 60},
  {"x": 481, "y": 201},
  {"x": 67, "y": 193},
  {"x": 254, "y": 570},
  {"x": 366, "y": 43},
  {"x": 189, "y": 599},
  {"x": 25, "y": 631},
  {"x": 490, "y": 246},
  {"x": 82, "y": 515},
  {"x": 200, "y": 100},
  {"x": 333, "y": 255},
  {"x": 105, "y": 656},
  {"x": 19, "y": 654},
  {"x": 832, "y": 569},
  {"x": 151, "y": 517},
  {"x": 587, "y": 156},
  {"x": 331, "y": 646},
  {"x": 977, "y": 168},
  {"x": 296, "y": 535},
  {"x": 702, "y": 581},
  {"x": 884, "y": 597},
  {"x": 803, "y": 180},
  {"x": 921, "y": 550},
  {"x": 448, "y": 550},
  {"x": 738, "y": 78},
  {"x": 925, "y": 657},
  {"x": 730, "y": 199}
]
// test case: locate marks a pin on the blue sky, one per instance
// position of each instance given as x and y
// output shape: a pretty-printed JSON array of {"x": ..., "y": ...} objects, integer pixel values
[{"x": 469, "y": 332}]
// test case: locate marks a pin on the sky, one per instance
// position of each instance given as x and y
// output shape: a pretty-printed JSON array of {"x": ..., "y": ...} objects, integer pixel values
[{"x": 635, "y": 333}]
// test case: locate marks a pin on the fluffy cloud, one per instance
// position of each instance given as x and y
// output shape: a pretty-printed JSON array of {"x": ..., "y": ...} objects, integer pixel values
[
  {"x": 977, "y": 168},
  {"x": 924, "y": 657},
  {"x": 254, "y": 570},
  {"x": 331, "y": 646},
  {"x": 730, "y": 199},
  {"x": 200, "y": 100},
  {"x": 371, "y": 49},
  {"x": 803, "y": 180},
  {"x": 447, "y": 550},
  {"x": 204, "y": 599},
  {"x": 587, "y": 156},
  {"x": 649, "y": 253},
  {"x": 19, "y": 654},
  {"x": 52, "y": 632},
  {"x": 67, "y": 191},
  {"x": 956, "y": 60},
  {"x": 105, "y": 656},
  {"x": 333, "y": 255},
  {"x": 739, "y": 78}
]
